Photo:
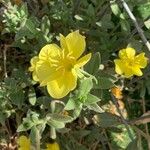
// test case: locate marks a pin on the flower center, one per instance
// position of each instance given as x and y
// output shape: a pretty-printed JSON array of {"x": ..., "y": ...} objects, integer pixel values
[
  {"x": 68, "y": 63},
  {"x": 130, "y": 62}
]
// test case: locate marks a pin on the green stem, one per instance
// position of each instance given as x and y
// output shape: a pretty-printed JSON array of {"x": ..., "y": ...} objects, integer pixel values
[
  {"x": 53, "y": 133},
  {"x": 88, "y": 75}
]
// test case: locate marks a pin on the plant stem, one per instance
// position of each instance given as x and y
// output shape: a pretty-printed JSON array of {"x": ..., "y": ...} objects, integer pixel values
[
  {"x": 132, "y": 17},
  {"x": 146, "y": 126},
  {"x": 53, "y": 133},
  {"x": 122, "y": 118}
]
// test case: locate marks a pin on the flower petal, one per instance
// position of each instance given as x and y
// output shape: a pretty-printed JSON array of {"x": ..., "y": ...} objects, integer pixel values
[
  {"x": 50, "y": 51},
  {"x": 119, "y": 66},
  {"x": 141, "y": 60},
  {"x": 127, "y": 53},
  {"x": 62, "y": 86},
  {"x": 75, "y": 43},
  {"x": 137, "y": 71},
  {"x": 63, "y": 44},
  {"x": 24, "y": 143},
  {"x": 46, "y": 72},
  {"x": 128, "y": 72},
  {"x": 34, "y": 76},
  {"x": 33, "y": 63},
  {"x": 53, "y": 146},
  {"x": 83, "y": 60}
]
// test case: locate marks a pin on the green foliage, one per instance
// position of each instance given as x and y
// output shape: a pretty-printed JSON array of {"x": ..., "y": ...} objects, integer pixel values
[{"x": 84, "y": 119}]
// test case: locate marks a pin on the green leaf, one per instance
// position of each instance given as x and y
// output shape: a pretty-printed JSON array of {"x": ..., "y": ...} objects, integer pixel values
[
  {"x": 91, "y": 99},
  {"x": 91, "y": 11},
  {"x": 106, "y": 120},
  {"x": 3, "y": 117},
  {"x": 35, "y": 137},
  {"x": 17, "y": 97},
  {"x": 24, "y": 10},
  {"x": 95, "y": 107},
  {"x": 117, "y": 137},
  {"x": 31, "y": 26},
  {"x": 125, "y": 26},
  {"x": 115, "y": 8},
  {"x": 147, "y": 24},
  {"x": 31, "y": 120},
  {"x": 44, "y": 101},
  {"x": 60, "y": 118},
  {"x": 32, "y": 96},
  {"x": 85, "y": 87},
  {"x": 93, "y": 65},
  {"x": 77, "y": 111},
  {"x": 78, "y": 17},
  {"x": 143, "y": 10},
  {"x": 103, "y": 83},
  {"x": 55, "y": 124},
  {"x": 71, "y": 104},
  {"x": 26, "y": 125},
  {"x": 132, "y": 145},
  {"x": 135, "y": 44},
  {"x": 45, "y": 30}
]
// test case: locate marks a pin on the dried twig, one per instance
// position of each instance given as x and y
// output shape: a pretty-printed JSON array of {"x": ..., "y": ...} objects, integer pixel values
[
  {"x": 124, "y": 121},
  {"x": 146, "y": 126},
  {"x": 139, "y": 121},
  {"x": 141, "y": 132},
  {"x": 132, "y": 17}
]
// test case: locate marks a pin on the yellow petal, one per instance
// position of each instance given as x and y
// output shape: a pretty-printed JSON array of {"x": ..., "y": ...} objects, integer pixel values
[
  {"x": 53, "y": 146},
  {"x": 34, "y": 76},
  {"x": 83, "y": 60},
  {"x": 119, "y": 66},
  {"x": 50, "y": 51},
  {"x": 24, "y": 143},
  {"x": 62, "y": 86},
  {"x": 33, "y": 62},
  {"x": 46, "y": 72},
  {"x": 75, "y": 43},
  {"x": 128, "y": 72},
  {"x": 63, "y": 44},
  {"x": 127, "y": 53},
  {"x": 136, "y": 70},
  {"x": 141, "y": 60}
]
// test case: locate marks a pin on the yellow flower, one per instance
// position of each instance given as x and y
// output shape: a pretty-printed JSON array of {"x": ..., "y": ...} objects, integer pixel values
[
  {"x": 53, "y": 146},
  {"x": 33, "y": 62},
  {"x": 24, "y": 143},
  {"x": 129, "y": 64},
  {"x": 58, "y": 67},
  {"x": 117, "y": 92}
]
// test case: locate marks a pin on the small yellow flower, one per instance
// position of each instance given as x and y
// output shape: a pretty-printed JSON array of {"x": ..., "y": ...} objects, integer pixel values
[
  {"x": 117, "y": 92},
  {"x": 53, "y": 146},
  {"x": 129, "y": 64},
  {"x": 24, "y": 143},
  {"x": 33, "y": 62},
  {"x": 58, "y": 67}
]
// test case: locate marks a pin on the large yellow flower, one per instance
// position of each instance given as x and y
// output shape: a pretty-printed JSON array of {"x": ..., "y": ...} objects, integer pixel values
[
  {"x": 129, "y": 64},
  {"x": 24, "y": 143},
  {"x": 53, "y": 146},
  {"x": 58, "y": 67}
]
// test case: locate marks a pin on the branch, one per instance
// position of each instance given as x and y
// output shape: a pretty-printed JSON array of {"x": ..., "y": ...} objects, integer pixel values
[
  {"x": 132, "y": 17},
  {"x": 124, "y": 121}
]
